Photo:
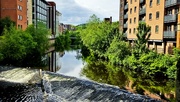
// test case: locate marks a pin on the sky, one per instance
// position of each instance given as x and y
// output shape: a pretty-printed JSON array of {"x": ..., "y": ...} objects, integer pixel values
[{"x": 78, "y": 11}]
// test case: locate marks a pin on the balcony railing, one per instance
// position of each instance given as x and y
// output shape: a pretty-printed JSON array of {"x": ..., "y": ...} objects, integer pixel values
[
  {"x": 141, "y": 1},
  {"x": 125, "y": 25},
  {"x": 169, "y": 34},
  {"x": 125, "y": 16},
  {"x": 171, "y": 3},
  {"x": 125, "y": 34},
  {"x": 126, "y": 7},
  {"x": 142, "y": 11},
  {"x": 170, "y": 18}
]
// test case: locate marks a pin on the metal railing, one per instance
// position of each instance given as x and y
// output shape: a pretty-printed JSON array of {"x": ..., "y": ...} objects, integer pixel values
[
  {"x": 126, "y": 7},
  {"x": 142, "y": 11},
  {"x": 126, "y": 16},
  {"x": 170, "y": 3},
  {"x": 169, "y": 34},
  {"x": 125, "y": 25},
  {"x": 170, "y": 18},
  {"x": 124, "y": 34}
]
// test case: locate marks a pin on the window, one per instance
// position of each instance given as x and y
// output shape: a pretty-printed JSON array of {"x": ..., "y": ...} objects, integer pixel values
[
  {"x": 134, "y": 19},
  {"x": 135, "y": 0},
  {"x": 130, "y": 21},
  {"x": 129, "y": 31},
  {"x": 131, "y": 11},
  {"x": 176, "y": 10},
  {"x": 131, "y": 1},
  {"x": 157, "y": 14},
  {"x": 19, "y": 7},
  {"x": 150, "y": 16},
  {"x": 20, "y": 17},
  {"x": 168, "y": 28},
  {"x": 134, "y": 30},
  {"x": 19, "y": 26},
  {"x": 175, "y": 27},
  {"x": 158, "y": 1},
  {"x": 134, "y": 9},
  {"x": 157, "y": 29},
  {"x": 150, "y": 3}
]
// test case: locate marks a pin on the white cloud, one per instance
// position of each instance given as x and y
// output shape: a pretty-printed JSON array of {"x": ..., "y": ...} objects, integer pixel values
[{"x": 79, "y": 11}]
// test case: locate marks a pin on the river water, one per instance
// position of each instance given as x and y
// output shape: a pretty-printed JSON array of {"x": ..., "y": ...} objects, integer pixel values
[
  {"x": 72, "y": 83},
  {"x": 70, "y": 65},
  {"x": 158, "y": 88}
]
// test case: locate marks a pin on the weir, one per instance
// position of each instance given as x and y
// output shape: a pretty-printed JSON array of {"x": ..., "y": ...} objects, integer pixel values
[{"x": 20, "y": 84}]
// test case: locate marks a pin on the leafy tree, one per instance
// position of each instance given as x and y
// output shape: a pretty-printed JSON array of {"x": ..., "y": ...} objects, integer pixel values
[
  {"x": 98, "y": 35},
  {"x": 143, "y": 36},
  {"x": 6, "y": 22},
  {"x": 118, "y": 50},
  {"x": 63, "y": 42},
  {"x": 41, "y": 36},
  {"x": 15, "y": 45}
]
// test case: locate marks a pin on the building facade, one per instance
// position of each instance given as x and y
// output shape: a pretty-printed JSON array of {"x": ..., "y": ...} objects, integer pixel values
[
  {"x": 39, "y": 11},
  {"x": 161, "y": 15},
  {"x": 16, "y": 10},
  {"x": 51, "y": 14}
]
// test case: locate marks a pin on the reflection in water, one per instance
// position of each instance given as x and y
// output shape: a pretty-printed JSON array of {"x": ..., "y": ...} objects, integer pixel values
[
  {"x": 137, "y": 83},
  {"x": 102, "y": 72},
  {"x": 70, "y": 65}
]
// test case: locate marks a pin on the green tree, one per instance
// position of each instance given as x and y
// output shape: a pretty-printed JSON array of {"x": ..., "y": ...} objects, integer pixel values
[
  {"x": 15, "y": 45},
  {"x": 6, "y": 22},
  {"x": 63, "y": 42},
  {"x": 41, "y": 36},
  {"x": 118, "y": 50},
  {"x": 143, "y": 36},
  {"x": 98, "y": 35}
]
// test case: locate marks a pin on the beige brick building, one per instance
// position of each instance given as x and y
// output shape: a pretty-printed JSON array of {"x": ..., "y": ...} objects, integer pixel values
[{"x": 161, "y": 15}]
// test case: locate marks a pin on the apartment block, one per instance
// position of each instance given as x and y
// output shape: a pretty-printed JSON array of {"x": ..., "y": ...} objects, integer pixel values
[
  {"x": 16, "y": 10},
  {"x": 39, "y": 11},
  {"x": 161, "y": 15}
]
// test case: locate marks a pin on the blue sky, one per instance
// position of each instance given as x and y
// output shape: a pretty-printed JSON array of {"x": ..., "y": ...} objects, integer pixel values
[{"x": 78, "y": 11}]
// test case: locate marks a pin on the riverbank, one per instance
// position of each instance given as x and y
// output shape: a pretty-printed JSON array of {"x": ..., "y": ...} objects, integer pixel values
[{"x": 57, "y": 87}]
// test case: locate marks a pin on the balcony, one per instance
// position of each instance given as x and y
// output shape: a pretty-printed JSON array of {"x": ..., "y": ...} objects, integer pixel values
[
  {"x": 126, "y": 7},
  {"x": 141, "y": 1},
  {"x": 125, "y": 25},
  {"x": 125, "y": 34},
  {"x": 125, "y": 16},
  {"x": 142, "y": 11},
  {"x": 170, "y": 18},
  {"x": 169, "y": 34},
  {"x": 171, "y": 3}
]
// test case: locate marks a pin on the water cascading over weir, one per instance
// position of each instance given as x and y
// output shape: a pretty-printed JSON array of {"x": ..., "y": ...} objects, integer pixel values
[{"x": 30, "y": 85}]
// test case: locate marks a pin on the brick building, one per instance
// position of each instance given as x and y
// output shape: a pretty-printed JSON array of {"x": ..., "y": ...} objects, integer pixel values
[
  {"x": 16, "y": 10},
  {"x": 161, "y": 15}
]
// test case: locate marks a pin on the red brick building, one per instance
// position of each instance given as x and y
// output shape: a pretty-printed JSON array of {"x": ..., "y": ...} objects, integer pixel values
[{"x": 16, "y": 10}]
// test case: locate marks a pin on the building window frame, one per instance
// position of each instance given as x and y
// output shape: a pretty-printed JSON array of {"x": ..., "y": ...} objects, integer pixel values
[
  {"x": 134, "y": 20},
  {"x": 130, "y": 10},
  {"x": 130, "y": 21},
  {"x": 157, "y": 29},
  {"x": 150, "y": 3},
  {"x": 129, "y": 30},
  {"x": 134, "y": 31},
  {"x": 157, "y": 14},
  {"x": 135, "y": 9},
  {"x": 150, "y": 16},
  {"x": 158, "y": 2}
]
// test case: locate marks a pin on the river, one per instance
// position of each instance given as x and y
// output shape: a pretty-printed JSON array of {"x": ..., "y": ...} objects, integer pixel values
[
  {"x": 70, "y": 65},
  {"x": 159, "y": 88},
  {"x": 80, "y": 81}
]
